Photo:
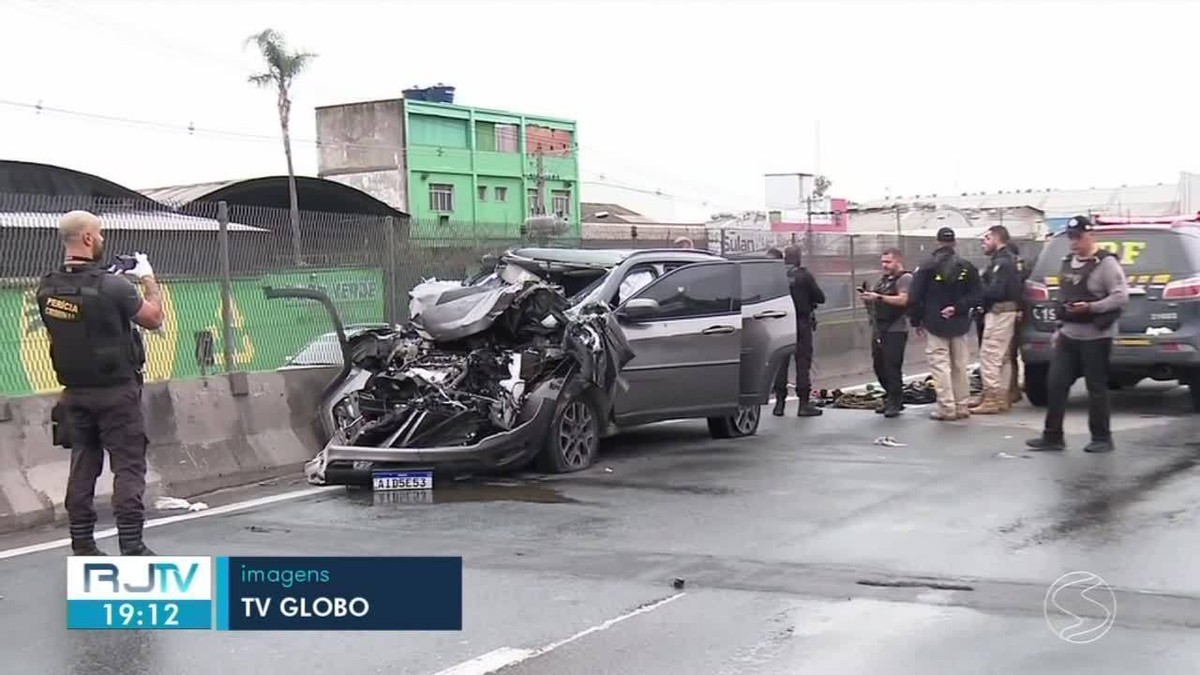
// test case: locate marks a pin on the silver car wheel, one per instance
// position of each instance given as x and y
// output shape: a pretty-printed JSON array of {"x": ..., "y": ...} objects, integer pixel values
[
  {"x": 576, "y": 434},
  {"x": 746, "y": 419}
]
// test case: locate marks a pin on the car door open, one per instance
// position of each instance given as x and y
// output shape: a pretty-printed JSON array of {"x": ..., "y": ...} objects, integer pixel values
[
  {"x": 769, "y": 322},
  {"x": 685, "y": 329}
]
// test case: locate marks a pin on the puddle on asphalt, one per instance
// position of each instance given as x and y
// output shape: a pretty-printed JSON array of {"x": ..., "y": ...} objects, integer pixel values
[{"x": 463, "y": 492}]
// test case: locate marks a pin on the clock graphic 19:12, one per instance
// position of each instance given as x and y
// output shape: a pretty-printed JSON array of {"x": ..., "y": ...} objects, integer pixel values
[{"x": 152, "y": 614}]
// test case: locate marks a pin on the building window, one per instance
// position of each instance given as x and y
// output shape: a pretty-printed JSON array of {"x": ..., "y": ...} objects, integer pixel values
[
  {"x": 441, "y": 197},
  {"x": 483, "y": 193},
  {"x": 506, "y": 138},
  {"x": 534, "y": 207},
  {"x": 562, "y": 203},
  {"x": 443, "y": 220},
  {"x": 501, "y": 194}
]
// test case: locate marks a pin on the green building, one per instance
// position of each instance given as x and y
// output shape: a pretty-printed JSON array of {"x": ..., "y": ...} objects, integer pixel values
[{"x": 458, "y": 171}]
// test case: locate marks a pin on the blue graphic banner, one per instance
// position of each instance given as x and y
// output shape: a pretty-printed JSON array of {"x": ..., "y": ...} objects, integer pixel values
[{"x": 339, "y": 593}]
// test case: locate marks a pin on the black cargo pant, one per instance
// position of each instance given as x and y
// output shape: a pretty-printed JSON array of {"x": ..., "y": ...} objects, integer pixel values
[
  {"x": 1074, "y": 359},
  {"x": 803, "y": 358},
  {"x": 106, "y": 418},
  {"x": 887, "y": 355}
]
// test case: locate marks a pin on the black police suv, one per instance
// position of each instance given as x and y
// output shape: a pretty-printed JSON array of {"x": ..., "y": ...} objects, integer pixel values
[{"x": 1159, "y": 333}]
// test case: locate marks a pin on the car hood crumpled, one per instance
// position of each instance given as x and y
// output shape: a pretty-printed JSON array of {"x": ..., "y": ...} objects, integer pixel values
[{"x": 475, "y": 363}]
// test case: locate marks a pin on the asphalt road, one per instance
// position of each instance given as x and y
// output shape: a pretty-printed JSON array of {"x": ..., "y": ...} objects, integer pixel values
[{"x": 807, "y": 549}]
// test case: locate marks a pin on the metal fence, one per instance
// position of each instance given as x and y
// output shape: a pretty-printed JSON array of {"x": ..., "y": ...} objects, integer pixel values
[
  {"x": 213, "y": 262},
  {"x": 842, "y": 261}
]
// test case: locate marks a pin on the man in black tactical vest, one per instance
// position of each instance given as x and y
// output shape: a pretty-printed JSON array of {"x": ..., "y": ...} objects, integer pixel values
[
  {"x": 98, "y": 357},
  {"x": 1003, "y": 290},
  {"x": 888, "y": 302},
  {"x": 806, "y": 296},
  {"x": 1093, "y": 292}
]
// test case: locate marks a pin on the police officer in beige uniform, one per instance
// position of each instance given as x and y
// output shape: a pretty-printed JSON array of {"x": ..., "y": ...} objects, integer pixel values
[
  {"x": 1002, "y": 291},
  {"x": 98, "y": 357}
]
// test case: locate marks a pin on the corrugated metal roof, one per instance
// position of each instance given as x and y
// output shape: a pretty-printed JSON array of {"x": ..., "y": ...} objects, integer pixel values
[
  {"x": 1137, "y": 199},
  {"x": 184, "y": 194},
  {"x": 130, "y": 220}
]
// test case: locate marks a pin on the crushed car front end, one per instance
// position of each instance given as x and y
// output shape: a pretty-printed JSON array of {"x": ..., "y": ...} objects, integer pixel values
[{"x": 473, "y": 383}]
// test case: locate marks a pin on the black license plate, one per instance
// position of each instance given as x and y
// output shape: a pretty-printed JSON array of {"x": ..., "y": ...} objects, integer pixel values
[{"x": 1045, "y": 313}]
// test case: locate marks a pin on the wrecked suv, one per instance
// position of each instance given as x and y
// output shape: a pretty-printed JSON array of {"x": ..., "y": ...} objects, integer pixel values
[{"x": 541, "y": 357}]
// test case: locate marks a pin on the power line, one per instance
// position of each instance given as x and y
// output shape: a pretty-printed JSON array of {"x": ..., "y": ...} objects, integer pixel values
[
  {"x": 211, "y": 56},
  {"x": 191, "y": 129}
]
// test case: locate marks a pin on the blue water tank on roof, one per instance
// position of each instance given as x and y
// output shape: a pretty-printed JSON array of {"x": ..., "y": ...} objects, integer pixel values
[
  {"x": 416, "y": 94},
  {"x": 441, "y": 94}
]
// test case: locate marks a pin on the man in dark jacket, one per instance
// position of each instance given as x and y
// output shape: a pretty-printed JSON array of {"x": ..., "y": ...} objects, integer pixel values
[
  {"x": 1001, "y": 305},
  {"x": 945, "y": 288},
  {"x": 806, "y": 296}
]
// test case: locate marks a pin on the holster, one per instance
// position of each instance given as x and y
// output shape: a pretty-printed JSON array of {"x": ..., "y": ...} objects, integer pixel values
[{"x": 60, "y": 430}]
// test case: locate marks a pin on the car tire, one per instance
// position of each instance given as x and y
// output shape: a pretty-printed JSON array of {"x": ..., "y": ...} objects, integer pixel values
[
  {"x": 573, "y": 441},
  {"x": 738, "y": 425},
  {"x": 1037, "y": 388},
  {"x": 1192, "y": 380}
]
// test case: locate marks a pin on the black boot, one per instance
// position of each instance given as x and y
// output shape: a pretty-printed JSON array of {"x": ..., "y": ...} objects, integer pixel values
[
  {"x": 129, "y": 535},
  {"x": 87, "y": 547},
  {"x": 140, "y": 549},
  {"x": 1099, "y": 445},
  {"x": 892, "y": 409},
  {"x": 780, "y": 403},
  {"x": 807, "y": 409},
  {"x": 1047, "y": 443}
]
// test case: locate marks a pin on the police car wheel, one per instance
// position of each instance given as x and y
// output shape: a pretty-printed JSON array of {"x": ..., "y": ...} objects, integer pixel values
[{"x": 1036, "y": 385}]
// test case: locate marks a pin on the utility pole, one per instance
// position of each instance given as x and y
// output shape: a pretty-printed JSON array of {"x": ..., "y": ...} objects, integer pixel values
[
  {"x": 541, "y": 184},
  {"x": 808, "y": 239}
]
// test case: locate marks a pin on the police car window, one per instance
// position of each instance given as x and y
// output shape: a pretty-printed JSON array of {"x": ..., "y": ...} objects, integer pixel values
[
  {"x": 762, "y": 281},
  {"x": 1139, "y": 251},
  {"x": 696, "y": 290}
]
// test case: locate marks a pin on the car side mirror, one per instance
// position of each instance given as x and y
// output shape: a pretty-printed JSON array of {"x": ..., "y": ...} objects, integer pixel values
[{"x": 639, "y": 308}]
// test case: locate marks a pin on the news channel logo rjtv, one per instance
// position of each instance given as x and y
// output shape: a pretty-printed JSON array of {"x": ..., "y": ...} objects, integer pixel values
[{"x": 162, "y": 592}]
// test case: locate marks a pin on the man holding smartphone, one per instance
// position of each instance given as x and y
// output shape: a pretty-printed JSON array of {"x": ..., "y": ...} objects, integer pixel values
[
  {"x": 1093, "y": 293},
  {"x": 887, "y": 303}
]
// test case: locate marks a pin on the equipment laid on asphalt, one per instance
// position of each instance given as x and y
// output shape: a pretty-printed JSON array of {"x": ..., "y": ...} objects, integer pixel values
[{"x": 920, "y": 392}]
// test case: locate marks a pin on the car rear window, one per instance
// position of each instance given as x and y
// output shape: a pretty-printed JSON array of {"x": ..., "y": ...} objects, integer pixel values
[
  {"x": 763, "y": 280},
  {"x": 1140, "y": 252}
]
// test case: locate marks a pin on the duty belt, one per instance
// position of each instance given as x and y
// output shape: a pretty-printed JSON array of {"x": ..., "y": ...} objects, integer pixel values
[{"x": 1006, "y": 306}]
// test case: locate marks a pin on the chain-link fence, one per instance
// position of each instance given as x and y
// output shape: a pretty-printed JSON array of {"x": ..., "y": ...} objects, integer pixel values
[
  {"x": 213, "y": 261},
  {"x": 842, "y": 261},
  {"x": 203, "y": 253}
]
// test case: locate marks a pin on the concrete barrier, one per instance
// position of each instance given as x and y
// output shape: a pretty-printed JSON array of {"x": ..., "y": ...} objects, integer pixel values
[
  {"x": 205, "y": 434},
  {"x": 224, "y": 431}
]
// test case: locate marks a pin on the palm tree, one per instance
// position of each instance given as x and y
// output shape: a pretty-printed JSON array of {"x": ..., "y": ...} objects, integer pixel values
[{"x": 282, "y": 68}]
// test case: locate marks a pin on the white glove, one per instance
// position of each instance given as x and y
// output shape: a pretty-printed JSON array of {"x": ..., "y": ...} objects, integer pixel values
[{"x": 142, "y": 269}]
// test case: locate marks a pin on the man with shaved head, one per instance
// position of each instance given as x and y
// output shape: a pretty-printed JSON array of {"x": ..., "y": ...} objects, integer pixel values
[{"x": 98, "y": 357}]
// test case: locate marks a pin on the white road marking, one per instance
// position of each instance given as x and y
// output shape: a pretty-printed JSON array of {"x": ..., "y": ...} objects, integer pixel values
[
  {"x": 158, "y": 522},
  {"x": 509, "y": 656},
  {"x": 489, "y": 662}
]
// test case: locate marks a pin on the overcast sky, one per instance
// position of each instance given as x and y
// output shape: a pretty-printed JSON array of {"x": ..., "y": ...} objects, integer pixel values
[{"x": 694, "y": 99}]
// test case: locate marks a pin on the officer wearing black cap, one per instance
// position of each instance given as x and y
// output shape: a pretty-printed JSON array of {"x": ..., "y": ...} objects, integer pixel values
[
  {"x": 98, "y": 357},
  {"x": 945, "y": 288},
  {"x": 1093, "y": 291},
  {"x": 806, "y": 296}
]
